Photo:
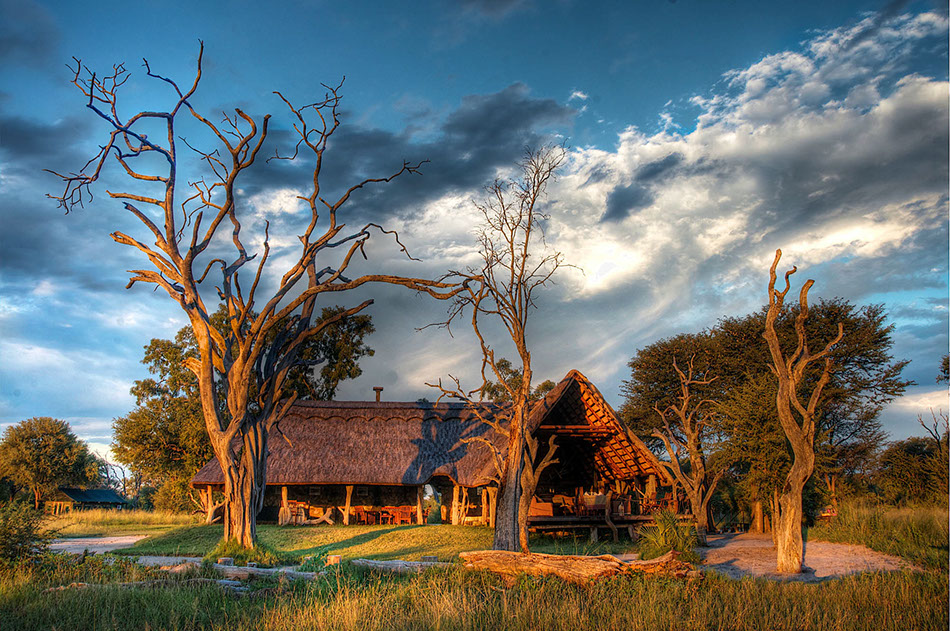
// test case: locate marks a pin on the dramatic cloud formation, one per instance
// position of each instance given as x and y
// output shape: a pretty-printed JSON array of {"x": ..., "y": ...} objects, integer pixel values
[{"x": 835, "y": 151}]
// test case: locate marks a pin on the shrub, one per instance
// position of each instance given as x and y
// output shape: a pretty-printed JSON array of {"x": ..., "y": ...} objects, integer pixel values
[
  {"x": 174, "y": 495},
  {"x": 22, "y": 536},
  {"x": 667, "y": 533}
]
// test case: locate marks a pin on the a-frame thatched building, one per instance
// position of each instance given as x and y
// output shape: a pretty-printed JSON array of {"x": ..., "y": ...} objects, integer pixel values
[{"x": 369, "y": 461}]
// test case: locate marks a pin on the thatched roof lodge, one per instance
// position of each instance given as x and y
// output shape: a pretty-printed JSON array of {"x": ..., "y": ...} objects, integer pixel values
[{"x": 348, "y": 458}]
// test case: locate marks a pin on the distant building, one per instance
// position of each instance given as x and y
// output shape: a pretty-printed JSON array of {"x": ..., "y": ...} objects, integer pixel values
[{"x": 68, "y": 499}]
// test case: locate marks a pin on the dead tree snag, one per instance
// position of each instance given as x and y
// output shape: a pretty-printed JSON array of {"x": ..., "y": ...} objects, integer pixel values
[
  {"x": 796, "y": 417},
  {"x": 241, "y": 371}
]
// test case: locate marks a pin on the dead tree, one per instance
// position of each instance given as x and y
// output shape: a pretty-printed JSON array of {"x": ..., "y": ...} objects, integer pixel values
[
  {"x": 796, "y": 417},
  {"x": 690, "y": 424},
  {"x": 514, "y": 265},
  {"x": 241, "y": 371}
]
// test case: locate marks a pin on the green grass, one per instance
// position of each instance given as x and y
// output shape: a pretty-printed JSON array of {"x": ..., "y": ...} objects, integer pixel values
[
  {"x": 918, "y": 534},
  {"x": 99, "y": 522},
  {"x": 409, "y": 543},
  {"x": 460, "y": 599}
]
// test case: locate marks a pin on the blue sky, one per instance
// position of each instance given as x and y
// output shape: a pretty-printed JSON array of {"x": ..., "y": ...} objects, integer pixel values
[{"x": 701, "y": 137}]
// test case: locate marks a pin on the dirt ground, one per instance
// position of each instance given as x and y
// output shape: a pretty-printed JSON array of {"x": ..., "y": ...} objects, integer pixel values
[{"x": 746, "y": 554}]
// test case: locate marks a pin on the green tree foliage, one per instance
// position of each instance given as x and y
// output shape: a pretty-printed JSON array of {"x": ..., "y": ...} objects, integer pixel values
[
  {"x": 913, "y": 470},
  {"x": 493, "y": 391},
  {"x": 22, "y": 536},
  {"x": 654, "y": 382},
  {"x": 164, "y": 438},
  {"x": 865, "y": 379},
  {"x": 42, "y": 454}
]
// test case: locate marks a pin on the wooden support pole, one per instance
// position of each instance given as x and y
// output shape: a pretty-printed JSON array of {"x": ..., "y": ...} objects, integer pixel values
[
  {"x": 464, "y": 511},
  {"x": 455, "y": 505},
  {"x": 346, "y": 510},
  {"x": 283, "y": 516},
  {"x": 484, "y": 519},
  {"x": 419, "y": 492}
]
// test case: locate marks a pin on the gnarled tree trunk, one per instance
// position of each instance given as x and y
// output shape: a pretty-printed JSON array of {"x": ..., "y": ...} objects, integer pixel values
[{"x": 787, "y": 503}]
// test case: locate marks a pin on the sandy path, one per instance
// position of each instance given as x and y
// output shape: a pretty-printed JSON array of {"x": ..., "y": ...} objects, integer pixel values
[
  {"x": 94, "y": 544},
  {"x": 98, "y": 545},
  {"x": 742, "y": 555}
]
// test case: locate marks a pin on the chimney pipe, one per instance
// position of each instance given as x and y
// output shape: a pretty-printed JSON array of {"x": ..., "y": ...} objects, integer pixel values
[{"x": 378, "y": 390}]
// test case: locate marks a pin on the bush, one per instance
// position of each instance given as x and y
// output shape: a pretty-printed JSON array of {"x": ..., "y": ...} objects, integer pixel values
[
  {"x": 174, "y": 495},
  {"x": 667, "y": 533},
  {"x": 22, "y": 536}
]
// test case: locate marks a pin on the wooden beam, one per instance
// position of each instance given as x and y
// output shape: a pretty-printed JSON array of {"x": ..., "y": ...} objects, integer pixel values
[{"x": 346, "y": 511}]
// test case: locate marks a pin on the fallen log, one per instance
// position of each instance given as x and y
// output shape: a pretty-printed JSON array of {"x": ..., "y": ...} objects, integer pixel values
[
  {"x": 575, "y": 569},
  {"x": 398, "y": 566}
]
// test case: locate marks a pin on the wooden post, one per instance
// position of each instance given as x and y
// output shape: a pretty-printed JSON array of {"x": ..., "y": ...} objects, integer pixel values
[
  {"x": 419, "y": 505},
  {"x": 492, "y": 503},
  {"x": 346, "y": 510},
  {"x": 484, "y": 518},
  {"x": 283, "y": 517},
  {"x": 464, "y": 509},
  {"x": 455, "y": 504}
]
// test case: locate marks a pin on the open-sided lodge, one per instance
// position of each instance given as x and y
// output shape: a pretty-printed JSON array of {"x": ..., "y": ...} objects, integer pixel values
[{"x": 369, "y": 462}]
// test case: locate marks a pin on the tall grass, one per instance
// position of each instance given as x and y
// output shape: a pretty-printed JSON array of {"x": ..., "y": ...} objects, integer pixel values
[
  {"x": 460, "y": 599},
  {"x": 99, "y": 522},
  {"x": 918, "y": 534}
]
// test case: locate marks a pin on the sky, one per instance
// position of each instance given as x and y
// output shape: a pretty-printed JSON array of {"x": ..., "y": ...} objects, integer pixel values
[{"x": 700, "y": 137}]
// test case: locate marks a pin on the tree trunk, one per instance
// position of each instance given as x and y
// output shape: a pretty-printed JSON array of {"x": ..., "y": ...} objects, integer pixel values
[
  {"x": 788, "y": 535},
  {"x": 506, "y": 515},
  {"x": 508, "y": 518},
  {"x": 244, "y": 476},
  {"x": 699, "y": 507},
  {"x": 36, "y": 498},
  {"x": 758, "y": 517},
  {"x": 528, "y": 486}
]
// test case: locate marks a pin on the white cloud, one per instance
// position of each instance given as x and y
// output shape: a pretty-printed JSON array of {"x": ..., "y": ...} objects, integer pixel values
[
  {"x": 577, "y": 94},
  {"x": 273, "y": 202}
]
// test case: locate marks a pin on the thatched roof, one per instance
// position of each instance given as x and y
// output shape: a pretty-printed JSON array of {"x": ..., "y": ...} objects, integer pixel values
[
  {"x": 577, "y": 408},
  {"x": 390, "y": 443},
  {"x": 360, "y": 442}
]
